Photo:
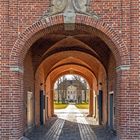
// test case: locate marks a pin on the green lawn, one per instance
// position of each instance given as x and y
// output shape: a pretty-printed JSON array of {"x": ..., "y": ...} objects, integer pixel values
[
  {"x": 60, "y": 106},
  {"x": 82, "y": 106}
]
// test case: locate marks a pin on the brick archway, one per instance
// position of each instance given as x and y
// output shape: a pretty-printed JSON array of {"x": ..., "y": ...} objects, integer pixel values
[
  {"x": 41, "y": 28},
  {"x": 61, "y": 73},
  {"x": 64, "y": 70},
  {"x": 38, "y": 29}
]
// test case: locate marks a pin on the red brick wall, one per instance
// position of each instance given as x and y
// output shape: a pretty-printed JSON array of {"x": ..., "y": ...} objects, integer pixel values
[
  {"x": 23, "y": 14},
  {"x": 134, "y": 88},
  {"x": 4, "y": 92},
  {"x": 121, "y": 16}
]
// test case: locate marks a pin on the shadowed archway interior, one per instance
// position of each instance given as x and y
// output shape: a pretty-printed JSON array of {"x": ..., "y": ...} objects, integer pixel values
[{"x": 67, "y": 52}]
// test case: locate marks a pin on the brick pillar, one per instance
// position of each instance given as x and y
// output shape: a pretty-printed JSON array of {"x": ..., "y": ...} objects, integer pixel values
[
  {"x": 134, "y": 128},
  {"x": 4, "y": 89},
  {"x": 17, "y": 124},
  {"x": 49, "y": 104},
  {"x": 91, "y": 103},
  {"x": 37, "y": 103},
  {"x": 127, "y": 101},
  {"x": 49, "y": 92},
  {"x": 11, "y": 86},
  {"x": 123, "y": 103},
  {"x": 52, "y": 103},
  {"x": 48, "y": 95}
]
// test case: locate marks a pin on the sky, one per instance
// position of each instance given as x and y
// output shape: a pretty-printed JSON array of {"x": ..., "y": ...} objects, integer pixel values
[{"x": 69, "y": 76}]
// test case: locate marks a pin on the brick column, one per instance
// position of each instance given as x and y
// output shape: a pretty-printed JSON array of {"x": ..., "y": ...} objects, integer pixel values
[
  {"x": 17, "y": 124},
  {"x": 134, "y": 128},
  {"x": 123, "y": 103},
  {"x": 4, "y": 95},
  {"x": 91, "y": 103},
  {"x": 52, "y": 103}
]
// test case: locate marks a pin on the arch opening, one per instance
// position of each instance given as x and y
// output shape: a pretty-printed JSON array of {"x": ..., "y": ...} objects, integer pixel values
[
  {"x": 59, "y": 52},
  {"x": 71, "y": 89}
]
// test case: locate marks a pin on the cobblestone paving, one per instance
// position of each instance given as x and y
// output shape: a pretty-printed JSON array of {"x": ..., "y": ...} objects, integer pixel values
[
  {"x": 71, "y": 124},
  {"x": 54, "y": 132},
  {"x": 39, "y": 133},
  {"x": 103, "y": 133},
  {"x": 85, "y": 130},
  {"x": 70, "y": 130}
]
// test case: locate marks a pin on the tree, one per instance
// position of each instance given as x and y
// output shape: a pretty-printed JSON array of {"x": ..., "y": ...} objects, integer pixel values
[{"x": 60, "y": 88}]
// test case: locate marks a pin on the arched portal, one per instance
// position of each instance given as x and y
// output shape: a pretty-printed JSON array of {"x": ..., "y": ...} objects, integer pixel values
[
  {"x": 92, "y": 45},
  {"x": 75, "y": 69}
]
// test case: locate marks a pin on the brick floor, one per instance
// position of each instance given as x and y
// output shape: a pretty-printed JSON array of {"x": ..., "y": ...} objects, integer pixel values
[{"x": 71, "y": 124}]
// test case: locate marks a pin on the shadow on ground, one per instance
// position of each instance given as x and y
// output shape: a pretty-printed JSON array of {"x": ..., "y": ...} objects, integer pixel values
[{"x": 70, "y": 131}]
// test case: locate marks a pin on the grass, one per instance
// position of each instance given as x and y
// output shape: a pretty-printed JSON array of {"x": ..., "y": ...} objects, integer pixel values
[
  {"x": 60, "y": 106},
  {"x": 82, "y": 106}
]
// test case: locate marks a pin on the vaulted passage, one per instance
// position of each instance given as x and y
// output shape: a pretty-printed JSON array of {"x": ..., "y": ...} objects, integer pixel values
[{"x": 60, "y": 51}]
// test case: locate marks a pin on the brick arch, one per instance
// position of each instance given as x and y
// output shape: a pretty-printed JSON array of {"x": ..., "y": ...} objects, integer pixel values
[
  {"x": 39, "y": 29},
  {"x": 65, "y": 69},
  {"x": 82, "y": 60},
  {"x": 75, "y": 72},
  {"x": 77, "y": 69},
  {"x": 73, "y": 64}
]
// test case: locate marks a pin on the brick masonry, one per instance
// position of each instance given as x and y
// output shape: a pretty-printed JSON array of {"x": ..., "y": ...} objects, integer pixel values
[{"x": 20, "y": 28}]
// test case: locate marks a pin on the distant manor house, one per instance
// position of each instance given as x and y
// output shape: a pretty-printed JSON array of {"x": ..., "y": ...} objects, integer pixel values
[{"x": 72, "y": 91}]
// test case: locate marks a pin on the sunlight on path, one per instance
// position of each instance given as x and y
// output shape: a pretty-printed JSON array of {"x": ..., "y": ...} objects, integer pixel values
[{"x": 73, "y": 114}]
